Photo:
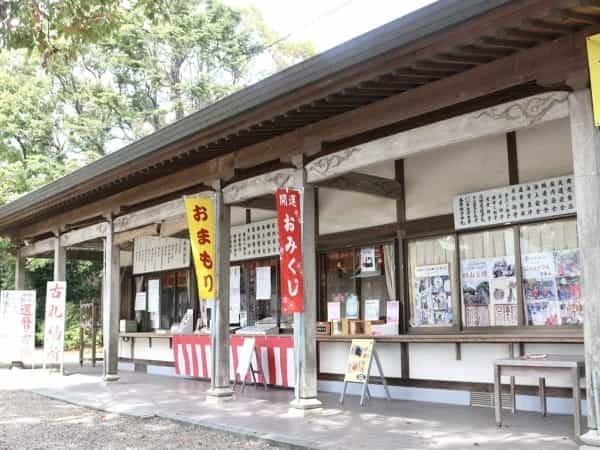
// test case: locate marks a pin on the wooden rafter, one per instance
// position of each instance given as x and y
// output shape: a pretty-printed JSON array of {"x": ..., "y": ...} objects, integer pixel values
[
  {"x": 365, "y": 184},
  {"x": 559, "y": 57}
]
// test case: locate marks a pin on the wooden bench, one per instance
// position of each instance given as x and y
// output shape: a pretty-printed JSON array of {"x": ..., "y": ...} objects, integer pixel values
[{"x": 540, "y": 368}]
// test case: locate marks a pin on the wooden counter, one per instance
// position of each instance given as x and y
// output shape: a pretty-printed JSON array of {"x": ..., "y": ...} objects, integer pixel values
[{"x": 467, "y": 338}]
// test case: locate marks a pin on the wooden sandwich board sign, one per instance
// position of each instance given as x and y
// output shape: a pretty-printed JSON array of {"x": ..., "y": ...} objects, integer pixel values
[
  {"x": 247, "y": 351},
  {"x": 358, "y": 368}
]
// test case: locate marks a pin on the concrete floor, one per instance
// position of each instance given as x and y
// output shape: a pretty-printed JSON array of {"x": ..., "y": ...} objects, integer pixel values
[{"x": 380, "y": 425}]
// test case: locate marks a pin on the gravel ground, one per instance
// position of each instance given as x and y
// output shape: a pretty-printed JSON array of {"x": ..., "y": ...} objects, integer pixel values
[{"x": 30, "y": 421}]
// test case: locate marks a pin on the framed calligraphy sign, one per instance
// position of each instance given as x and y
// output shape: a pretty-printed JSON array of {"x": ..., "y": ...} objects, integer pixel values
[{"x": 289, "y": 224}]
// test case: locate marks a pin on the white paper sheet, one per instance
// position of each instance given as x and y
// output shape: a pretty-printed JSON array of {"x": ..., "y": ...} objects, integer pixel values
[
  {"x": 367, "y": 259},
  {"x": 154, "y": 296},
  {"x": 234, "y": 294},
  {"x": 372, "y": 309},
  {"x": 140, "y": 301},
  {"x": 263, "y": 283},
  {"x": 334, "y": 311}
]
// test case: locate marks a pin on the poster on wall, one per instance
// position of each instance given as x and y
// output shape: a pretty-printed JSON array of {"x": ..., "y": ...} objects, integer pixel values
[
  {"x": 539, "y": 289},
  {"x": 433, "y": 293},
  {"x": 234, "y": 294},
  {"x": 54, "y": 324},
  {"x": 367, "y": 259},
  {"x": 568, "y": 286},
  {"x": 140, "y": 301},
  {"x": 154, "y": 303},
  {"x": 393, "y": 311},
  {"x": 475, "y": 279},
  {"x": 542, "y": 312},
  {"x": 372, "y": 309},
  {"x": 334, "y": 311},
  {"x": 17, "y": 326},
  {"x": 505, "y": 315},
  {"x": 488, "y": 285},
  {"x": 503, "y": 281},
  {"x": 477, "y": 316}
]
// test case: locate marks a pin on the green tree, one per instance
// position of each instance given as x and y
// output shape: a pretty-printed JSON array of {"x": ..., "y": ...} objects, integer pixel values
[
  {"x": 56, "y": 28},
  {"x": 79, "y": 78},
  {"x": 189, "y": 55}
]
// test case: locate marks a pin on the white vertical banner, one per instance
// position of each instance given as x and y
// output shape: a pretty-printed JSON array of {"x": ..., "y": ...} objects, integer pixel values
[
  {"x": 17, "y": 326},
  {"x": 263, "y": 283},
  {"x": 54, "y": 324},
  {"x": 234, "y": 294}
]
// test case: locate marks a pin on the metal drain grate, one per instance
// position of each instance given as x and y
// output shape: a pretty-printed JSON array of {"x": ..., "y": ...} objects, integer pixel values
[{"x": 486, "y": 400}]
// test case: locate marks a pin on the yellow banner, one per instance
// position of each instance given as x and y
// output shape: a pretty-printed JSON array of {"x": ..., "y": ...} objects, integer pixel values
[
  {"x": 201, "y": 224},
  {"x": 593, "y": 51}
]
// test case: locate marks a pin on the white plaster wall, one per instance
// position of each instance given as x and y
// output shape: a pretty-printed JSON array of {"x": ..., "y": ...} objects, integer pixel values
[
  {"x": 552, "y": 349},
  {"x": 238, "y": 215},
  {"x": 125, "y": 258},
  {"x": 433, "y": 178},
  {"x": 333, "y": 357},
  {"x": 124, "y": 349},
  {"x": 476, "y": 364},
  {"x": 160, "y": 350},
  {"x": 544, "y": 151},
  {"x": 385, "y": 170},
  {"x": 438, "y": 361},
  {"x": 342, "y": 210},
  {"x": 262, "y": 214}
]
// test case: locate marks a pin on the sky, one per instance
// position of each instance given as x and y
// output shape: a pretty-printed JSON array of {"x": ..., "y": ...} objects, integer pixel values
[{"x": 327, "y": 23}]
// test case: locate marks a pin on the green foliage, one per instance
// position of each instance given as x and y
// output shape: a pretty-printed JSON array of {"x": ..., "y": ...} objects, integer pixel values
[
  {"x": 84, "y": 285},
  {"x": 80, "y": 78},
  {"x": 7, "y": 266},
  {"x": 71, "y": 329},
  {"x": 56, "y": 28}
]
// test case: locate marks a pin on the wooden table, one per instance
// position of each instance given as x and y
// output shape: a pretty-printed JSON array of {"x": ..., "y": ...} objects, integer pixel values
[{"x": 541, "y": 368}]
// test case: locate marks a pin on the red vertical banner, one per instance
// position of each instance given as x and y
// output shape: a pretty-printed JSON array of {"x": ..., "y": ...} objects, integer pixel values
[{"x": 289, "y": 224}]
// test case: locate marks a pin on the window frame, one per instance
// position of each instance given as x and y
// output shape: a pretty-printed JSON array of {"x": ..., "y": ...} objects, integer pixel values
[
  {"x": 459, "y": 327},
  {"x": 355, "y": 249},
  {"x": 161, "y": 275},
  {"x": 245, "y": 266}
]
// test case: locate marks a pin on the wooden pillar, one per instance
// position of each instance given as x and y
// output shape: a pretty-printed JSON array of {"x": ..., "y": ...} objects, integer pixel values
[
  {"x": 60, "y": 261},
  {"x": 585, "y": 144},
  {"x": 19, "y": 271},
  {"x": 220, "y": 386},
  {"x": 110, "y": 308},
  {"x": 305, "y": 323}
]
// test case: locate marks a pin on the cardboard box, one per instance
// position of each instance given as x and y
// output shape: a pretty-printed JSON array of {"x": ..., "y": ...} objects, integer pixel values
[
  {"x": 127, "y": 326},
  {"x": 336, "y": 328},
  {"x": 354, "y": 327},
  {"x": 374, "y": 325},
  {"x": 323, "y": 329}
]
